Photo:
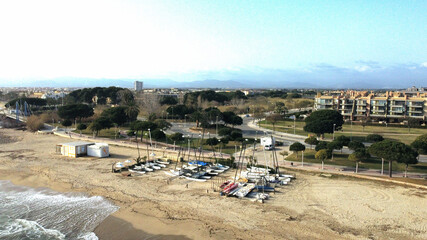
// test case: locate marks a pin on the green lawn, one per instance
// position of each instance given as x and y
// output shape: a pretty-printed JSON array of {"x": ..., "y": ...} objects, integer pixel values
[
  {"x": 354, "y": 131},
  {"x": 342, "y": 160}
]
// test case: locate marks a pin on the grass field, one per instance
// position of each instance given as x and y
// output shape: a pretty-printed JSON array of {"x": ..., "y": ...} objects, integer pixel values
[
  {"x": 354, "y": 131},
  {"x": 342, "y": 160},
  {"x": 194, "y": 143}
]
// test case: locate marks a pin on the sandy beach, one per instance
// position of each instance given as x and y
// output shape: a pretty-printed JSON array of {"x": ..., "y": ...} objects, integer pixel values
[{"x": 155, "y": 206}]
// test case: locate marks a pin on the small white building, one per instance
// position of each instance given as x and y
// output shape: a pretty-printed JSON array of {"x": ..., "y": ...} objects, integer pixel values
[
  {"x": 80, "y": 148},
  {"x": 98, "y": 150}
]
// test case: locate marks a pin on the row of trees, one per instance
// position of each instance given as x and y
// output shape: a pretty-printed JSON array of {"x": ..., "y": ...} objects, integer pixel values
[
  {"x": 194, "y": 98},
  {"x": 113, "y": 95},
  {"x": 387, "y": 150},
  {"x": 205, "y": 117}
]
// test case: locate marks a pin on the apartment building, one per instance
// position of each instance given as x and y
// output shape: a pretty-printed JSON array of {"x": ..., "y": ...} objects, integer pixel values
[{"x": 388, "y": 106}]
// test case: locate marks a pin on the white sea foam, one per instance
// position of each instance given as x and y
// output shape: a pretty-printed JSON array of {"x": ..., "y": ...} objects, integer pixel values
[
  {"x": 54, "y": 215},
  {"x": 29, "y": 229}
]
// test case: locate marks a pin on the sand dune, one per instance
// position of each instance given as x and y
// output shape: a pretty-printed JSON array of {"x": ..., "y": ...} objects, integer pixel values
[{"x": 312, "y": 207}]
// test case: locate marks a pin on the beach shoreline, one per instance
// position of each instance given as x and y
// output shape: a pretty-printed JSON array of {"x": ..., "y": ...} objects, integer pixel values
[{"x": 154, "y": 205}]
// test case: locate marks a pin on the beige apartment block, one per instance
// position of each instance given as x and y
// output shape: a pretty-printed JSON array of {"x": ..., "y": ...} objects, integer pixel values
[{"x": 388, "y": 106}]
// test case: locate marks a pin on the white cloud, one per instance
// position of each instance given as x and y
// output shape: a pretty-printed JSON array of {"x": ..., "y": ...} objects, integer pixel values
[
  {"x": 363, "y": 68},
  {"x": 424, "y": 64}
]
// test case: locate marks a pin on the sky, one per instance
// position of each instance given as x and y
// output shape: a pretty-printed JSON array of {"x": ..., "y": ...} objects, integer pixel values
[{"x": 297, "y": 41}]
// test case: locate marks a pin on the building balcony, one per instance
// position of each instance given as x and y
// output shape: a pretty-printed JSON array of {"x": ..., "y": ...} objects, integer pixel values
[
  {"x": 416, "y": 115},
  {"x": 378, "y": 110},
  {"x": 361, "y": 104},
  {"x": 397, "y": 105},
  {"x": 415, "y": 104},
  {"x": 417, "y": 107},
  {"x": 361, "y": 110},
  {"x": 378, "y": 104},
  {"x": 415, "y": 111}
]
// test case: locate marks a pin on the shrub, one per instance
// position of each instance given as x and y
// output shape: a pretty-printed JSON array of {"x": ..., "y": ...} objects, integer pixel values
[
  {"x": 212, "y": 141},
  {"x": 34, "y": 123},
  {"x": 235, "y": 135},
  {"x": 81, "y": 126},
  {"x": 66, "y": 123},
  {"x": 224, "y": 131},
  {"x": 321, "y": 145},
  {"x": 157, "y": 134},
  {"x": 374, "y": 138}
]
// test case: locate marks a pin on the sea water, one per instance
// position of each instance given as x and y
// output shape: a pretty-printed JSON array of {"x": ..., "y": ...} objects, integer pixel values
[{"x": 41, "y": 213}]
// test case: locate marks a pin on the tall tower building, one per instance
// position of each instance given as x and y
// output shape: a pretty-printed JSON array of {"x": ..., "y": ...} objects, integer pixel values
[{"x": 138, "y": 86}]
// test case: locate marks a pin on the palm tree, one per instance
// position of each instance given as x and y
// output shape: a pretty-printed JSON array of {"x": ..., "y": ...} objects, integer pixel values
[{"x": 132, "y": 110}]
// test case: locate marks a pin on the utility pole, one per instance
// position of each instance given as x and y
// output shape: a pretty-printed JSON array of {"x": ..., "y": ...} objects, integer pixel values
[
  {"x": 294, "y": 123},
  {"x": 216, "y": 125}
]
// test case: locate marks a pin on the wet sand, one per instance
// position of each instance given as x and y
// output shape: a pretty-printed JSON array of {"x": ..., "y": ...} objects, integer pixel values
[{"x": 154, "y": 205}]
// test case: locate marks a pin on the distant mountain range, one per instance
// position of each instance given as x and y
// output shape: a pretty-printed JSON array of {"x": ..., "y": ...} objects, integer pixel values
[{"x": 334, "y": 79}]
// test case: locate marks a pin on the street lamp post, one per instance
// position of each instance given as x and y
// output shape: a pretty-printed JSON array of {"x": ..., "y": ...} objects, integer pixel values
[
  {"x": 216, "y": 126},
  {"x": 294, "y": 123},
  {"x": 189, "y": 145},
  {"x": 333, "y": 132}
]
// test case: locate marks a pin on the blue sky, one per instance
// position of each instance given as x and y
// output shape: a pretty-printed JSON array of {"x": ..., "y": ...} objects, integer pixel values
[{"x": 277, "y": 41}]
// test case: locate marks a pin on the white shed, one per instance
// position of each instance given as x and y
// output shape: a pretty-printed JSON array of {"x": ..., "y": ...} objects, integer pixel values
[
  {"x": 98, "y": 150},
  {"x": 74, "y": 149}
]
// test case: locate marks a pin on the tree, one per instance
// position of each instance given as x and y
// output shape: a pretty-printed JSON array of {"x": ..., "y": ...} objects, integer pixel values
[
  {"x": 117, "y": 115},
  {"x": 225, "y": 131},
  {"x": 343, "y": 139},
  {"x": 179, "y": 110},
  {"x": 75, "y": 111},
  {"x": 66, "y": 123},
  {"x": 224, "y": 140},
  {"x": 34, "y": 123},
  {"x": 284, "y": 154},
  {"x": 157, "y": 134},
  {"x": 81, "y": 127},
  {"x": 374, "y": 138},
  {"x": 358, "y": 156},
  {"x": 162, "y": 124},
  {"x": 355, "y": 145},
  {"x": 420, "y": 144},
  {"x": 212, "y": 114},
  {"x": 132, "y": 110},
  {"x": 334, "y": 145},
  {"x": 236, "y": 135},
  {"x": 152, "y": 117},
  {"x": 312, "y": 140},
  {"x": 169, "y": 100},
  {"x": 231, "y": 118},
  {"x": 212, "y": 141},
  {"x": 99, "y": 124},
  {"x": 177, "y": 137},
  {"x": 409, "y": 156},
  {"x": 280, "y": 108},
  {"x": 296, "y": 147},
  {"x": 323, "y": 121},
  {"x": 125, "y": 97},
  {"x": 321, "y": 145},
  {"x": 198, "y": 117},
  {"x": 274, "y": 118},
  {"x": 321, "y": 155},
  {"x": 390, "y": 151},
  {"x": 142, "y": 126}
]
